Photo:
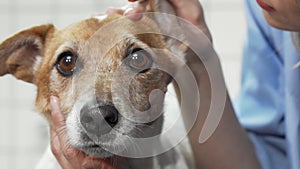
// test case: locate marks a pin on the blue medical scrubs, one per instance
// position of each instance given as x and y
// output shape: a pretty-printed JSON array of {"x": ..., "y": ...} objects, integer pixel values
[{"x": 268, "y": 105}]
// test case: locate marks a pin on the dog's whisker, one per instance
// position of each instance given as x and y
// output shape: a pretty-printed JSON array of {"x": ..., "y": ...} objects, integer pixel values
[
  {"x": 145, "y": 125},
  {"x": 126, "y": 148},
  {"x": 137, "y": 130},
  {"x": 135, "y": 146}
]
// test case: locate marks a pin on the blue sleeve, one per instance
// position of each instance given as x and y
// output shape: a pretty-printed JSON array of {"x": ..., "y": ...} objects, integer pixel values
[{"x": 260, "y": 104}]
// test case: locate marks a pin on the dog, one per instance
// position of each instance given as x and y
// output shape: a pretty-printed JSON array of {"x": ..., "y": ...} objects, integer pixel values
[{"x": 104, "y": 77}]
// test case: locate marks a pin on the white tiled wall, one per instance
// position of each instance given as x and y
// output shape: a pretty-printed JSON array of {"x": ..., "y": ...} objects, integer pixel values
[
  {"x": 228, "y": 27},
  {"x": 23, "y": 133}
]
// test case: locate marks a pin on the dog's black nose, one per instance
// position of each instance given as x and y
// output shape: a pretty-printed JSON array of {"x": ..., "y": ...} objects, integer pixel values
[{"x": 98, "y": 119}]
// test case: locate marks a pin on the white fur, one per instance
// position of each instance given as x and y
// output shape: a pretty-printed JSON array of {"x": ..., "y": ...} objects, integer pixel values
[
  {"x": 37, "y": 63},
  {"x": 73, "y": 122},
  {"x": 38, "y": 44},
  {"x": 100, "y": 17}
]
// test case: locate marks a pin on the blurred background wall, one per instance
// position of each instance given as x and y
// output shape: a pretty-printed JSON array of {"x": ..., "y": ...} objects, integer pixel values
[{"x": 23, "y": 132}]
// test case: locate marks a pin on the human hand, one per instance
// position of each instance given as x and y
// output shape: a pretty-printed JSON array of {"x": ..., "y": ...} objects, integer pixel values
[
  {"x": 190, "y": 10},
  {"x": 68, "y": 156}
]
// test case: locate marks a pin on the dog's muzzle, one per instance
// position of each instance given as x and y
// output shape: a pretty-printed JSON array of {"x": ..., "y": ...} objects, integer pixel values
[{"x": 98, "y": 118}]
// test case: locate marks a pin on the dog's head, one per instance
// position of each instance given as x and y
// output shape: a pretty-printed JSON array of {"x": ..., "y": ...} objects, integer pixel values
[{"x": 108, "y": 78}]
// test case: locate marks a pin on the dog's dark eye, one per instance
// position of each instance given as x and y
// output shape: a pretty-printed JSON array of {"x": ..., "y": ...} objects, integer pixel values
[
  {"x": 139, "y": 60},
  {"x": 66, "y": 63}
]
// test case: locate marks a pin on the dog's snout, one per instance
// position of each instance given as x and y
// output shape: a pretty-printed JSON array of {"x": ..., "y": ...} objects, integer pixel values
[{"x": 98, "y": 120}]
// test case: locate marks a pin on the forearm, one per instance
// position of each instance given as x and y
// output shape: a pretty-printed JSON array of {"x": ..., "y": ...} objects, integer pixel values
[{"x": 229, "y": 146}]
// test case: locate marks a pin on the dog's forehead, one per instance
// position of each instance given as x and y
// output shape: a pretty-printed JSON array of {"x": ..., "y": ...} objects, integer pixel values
[
  {"x": 84, "y": 29},
  {"x": 108, "y": 25},
  {"x": 105, "y": 30},
  {"x": 94, "y": 35}
]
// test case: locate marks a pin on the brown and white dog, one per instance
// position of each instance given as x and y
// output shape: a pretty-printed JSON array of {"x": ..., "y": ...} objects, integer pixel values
[{"x": 89, "y": 70}]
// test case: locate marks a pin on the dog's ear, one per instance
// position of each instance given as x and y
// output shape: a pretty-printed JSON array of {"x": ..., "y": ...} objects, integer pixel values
[
  {"x": 169, "y": 25},
  {"x": 19, "y": 52}
]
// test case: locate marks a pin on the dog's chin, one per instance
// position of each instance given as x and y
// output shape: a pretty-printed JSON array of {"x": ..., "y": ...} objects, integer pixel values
[{"x": 97, "y": 152}]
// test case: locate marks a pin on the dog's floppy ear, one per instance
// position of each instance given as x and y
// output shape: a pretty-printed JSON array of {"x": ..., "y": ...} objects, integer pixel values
[{"x": 19, "y": 52}]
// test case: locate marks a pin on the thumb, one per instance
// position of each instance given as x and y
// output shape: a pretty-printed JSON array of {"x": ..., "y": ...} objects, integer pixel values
[
  {"x": 192, "y": 11},
  {"x": 58, "y": 118}
]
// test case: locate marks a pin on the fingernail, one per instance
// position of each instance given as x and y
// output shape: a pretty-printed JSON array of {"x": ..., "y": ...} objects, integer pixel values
[
  {"x": 54, "y": 104},
  {"x": 128, "y": 11},
  {"x": 133, "y": 14}
]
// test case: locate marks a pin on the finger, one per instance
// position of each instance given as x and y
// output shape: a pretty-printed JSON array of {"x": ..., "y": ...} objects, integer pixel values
[
  {"x": 68, "y": 157},
  {"x": 56, "y": 150},
  {"x": 59, "y": 123},
  {"x": 112, "y": 10},
  {"x": 96, "y": 163},
  {"x": 136, "y": 12},
  {"x": 92, "y": 164},
  {"x": 57, "y": 117},
  {"x": 192, "y": 11},
  {"x": 72, "y": 155},
  {"x": 183, "y": 4}
]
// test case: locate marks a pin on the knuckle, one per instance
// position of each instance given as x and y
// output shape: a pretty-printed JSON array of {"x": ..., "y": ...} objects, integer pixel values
[
  {"x": 69, "y": 153},
  {"x": 94, "y": 165},
  {"x": 55, "y": 149},
  {"x": 54, "y": 146}
]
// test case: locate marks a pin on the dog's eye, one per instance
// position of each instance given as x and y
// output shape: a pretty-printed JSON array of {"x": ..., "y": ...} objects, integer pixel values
[
  {"x": 66, "y": 63},
  {"x": 139, "y": 60}
]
